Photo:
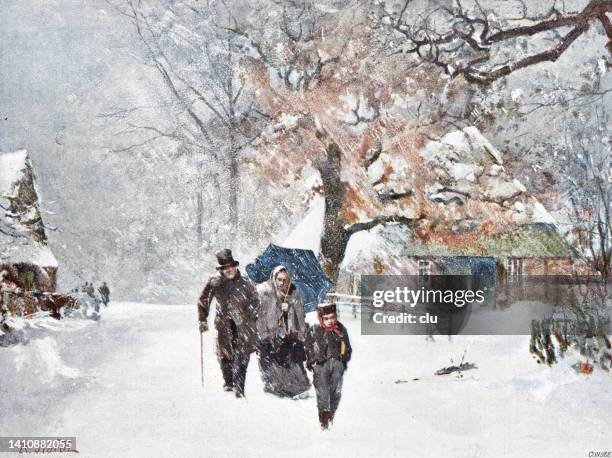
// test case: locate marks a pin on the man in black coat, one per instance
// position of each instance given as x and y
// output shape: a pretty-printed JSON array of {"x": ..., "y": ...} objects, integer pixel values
[
  {"x": 237, "y": 305},
  {"x": 328, "y": 351}
]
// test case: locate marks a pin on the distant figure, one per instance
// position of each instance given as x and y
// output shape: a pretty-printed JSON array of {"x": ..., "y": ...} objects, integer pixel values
[
  {"x": 54, "y": 304},
  {"x": 3, "y": 293},
  {"x": 105, "y": 293},
  {"x": 89, "y": 289},
  {"x": 3, "y": 296},
  {"x": 19, "y": 302},
  {"x": 328, "y": 351},
  {"x": 8, "y": 287}
]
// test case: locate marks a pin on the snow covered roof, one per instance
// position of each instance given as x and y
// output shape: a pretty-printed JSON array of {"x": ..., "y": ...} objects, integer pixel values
[
  {"x": 307, "y": 234},
  {"x": 467, "y": 144},
  {"x": 531, "y": 240},
  {"x": 25, "y": 252},
  {"x": 468, "y": 171},
  {"x": 12, "y": 167},
  {"x": 467, "y": 193},
  {"x": 22, "y": 237}
]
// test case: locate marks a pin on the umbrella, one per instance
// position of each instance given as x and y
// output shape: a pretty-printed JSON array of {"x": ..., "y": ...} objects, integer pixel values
[{"x": 303, "y": 267}]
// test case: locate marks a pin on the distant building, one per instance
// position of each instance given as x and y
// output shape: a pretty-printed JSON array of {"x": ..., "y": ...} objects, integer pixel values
[
  {"x": 478, "y": 220},
  {"x": 24, "y": 252},
  {"x": 533, "y": 249}
]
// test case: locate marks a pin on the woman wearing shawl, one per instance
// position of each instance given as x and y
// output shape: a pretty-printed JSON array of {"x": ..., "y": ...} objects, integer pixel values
[{"x": 281, "y": 327}]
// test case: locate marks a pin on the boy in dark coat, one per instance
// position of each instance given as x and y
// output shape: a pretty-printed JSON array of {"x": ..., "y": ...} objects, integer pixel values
[{"x": 328, "y": 351}]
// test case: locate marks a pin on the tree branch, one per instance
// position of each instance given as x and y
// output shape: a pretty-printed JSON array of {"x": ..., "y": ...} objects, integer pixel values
[
  {"x": 478, "y": 76},
  {"x": 379, "y": 220},
  {"x": 372, "y": 156},
  {"x": 391, "y": 196},
  {"x": 477, "y": 33},
  {"x": 167, "y": 78}
]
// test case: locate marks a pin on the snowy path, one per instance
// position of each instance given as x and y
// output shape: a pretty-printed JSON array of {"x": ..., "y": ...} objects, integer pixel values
[{"x": 130, "y": 386}]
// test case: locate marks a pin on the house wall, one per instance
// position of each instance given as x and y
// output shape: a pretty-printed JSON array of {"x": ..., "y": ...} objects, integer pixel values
[
  {"x": 52, "y": 273},
  {"x": 348, "y": 282},
  {"x": 44, "y": 278},
  {"x": 548, "y": 266}
]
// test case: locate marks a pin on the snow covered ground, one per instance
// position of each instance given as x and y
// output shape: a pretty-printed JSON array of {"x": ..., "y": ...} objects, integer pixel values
[{"x": 129, "y": 385}]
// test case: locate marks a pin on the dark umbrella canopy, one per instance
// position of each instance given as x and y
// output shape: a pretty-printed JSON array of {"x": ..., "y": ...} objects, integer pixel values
[{"x": 303, "y": 267}]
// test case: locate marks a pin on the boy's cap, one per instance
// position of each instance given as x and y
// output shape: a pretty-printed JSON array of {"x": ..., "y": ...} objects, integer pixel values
[{"x": 327, "y": 308}]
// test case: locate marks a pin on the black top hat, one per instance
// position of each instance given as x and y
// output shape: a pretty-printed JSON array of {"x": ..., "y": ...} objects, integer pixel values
[{"x": 225, "y": 259}]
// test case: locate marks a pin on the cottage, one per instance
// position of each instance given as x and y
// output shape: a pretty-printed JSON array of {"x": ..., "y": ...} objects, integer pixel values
[
  {"x": 531, "y": 249},
  {"x": 478, "y": 220},
  {"x": 24, "y": 252}
]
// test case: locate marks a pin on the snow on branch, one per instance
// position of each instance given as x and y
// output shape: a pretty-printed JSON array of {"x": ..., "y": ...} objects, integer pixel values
[
  {"x": 372, "y": 156},
  {"x": 476, "y": 32},
  {"x": 391, "y": 196},
  {"x": 380, "y": 220},
  {"x": 302, "y": 63}
]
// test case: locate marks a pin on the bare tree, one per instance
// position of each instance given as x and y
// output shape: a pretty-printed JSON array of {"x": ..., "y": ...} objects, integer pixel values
[
  {"x": 327, "y": 88},
  {"x": 297, "y": 56},
  {"x": 195, "y": 58},
  {"x": 469, "y": 40},
  {"x": 337, "y": 230},
  {"x": 299, "y": 27},
  {"x": 589, "y": 180}
]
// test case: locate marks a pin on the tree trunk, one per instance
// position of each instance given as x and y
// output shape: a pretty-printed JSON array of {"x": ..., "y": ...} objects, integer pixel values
[
  {"x": 233, "y": 147},
  {"x": 334, "y": 238},
  {"x": 234, "y": 181},
  {"x": 333, "y": 247},
  {"x": 199, "y": 216}
]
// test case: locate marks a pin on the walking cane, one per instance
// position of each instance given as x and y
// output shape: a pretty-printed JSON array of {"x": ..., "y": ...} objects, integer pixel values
[
  {"x": 202, "y": 357},
  {"x": 280, "y": 318}
]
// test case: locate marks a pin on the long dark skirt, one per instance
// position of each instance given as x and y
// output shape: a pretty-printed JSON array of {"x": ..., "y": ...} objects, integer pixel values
[{"x": 282, "y": 368}]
